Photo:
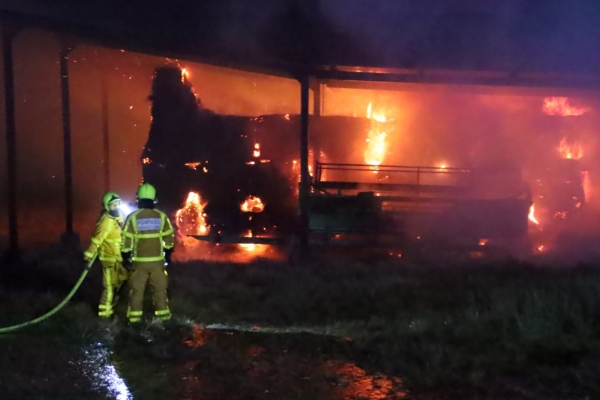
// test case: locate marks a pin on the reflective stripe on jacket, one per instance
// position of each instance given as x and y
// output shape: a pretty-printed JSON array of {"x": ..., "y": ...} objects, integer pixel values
[
  {"x": 147, "y": 233},
  {"x": 106, "y": 241}
]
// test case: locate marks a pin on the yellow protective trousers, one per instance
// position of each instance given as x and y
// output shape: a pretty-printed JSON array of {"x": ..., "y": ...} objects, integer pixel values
[
  {"x": 155, "y": 275},
  {"x": 114, "y": 275}
]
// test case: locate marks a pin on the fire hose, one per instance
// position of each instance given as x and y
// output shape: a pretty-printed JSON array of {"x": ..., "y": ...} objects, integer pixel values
[{"x": 55, "y": 309}]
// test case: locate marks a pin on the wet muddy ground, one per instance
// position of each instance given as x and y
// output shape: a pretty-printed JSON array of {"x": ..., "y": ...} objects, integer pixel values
[{"x": 329, "y": 330}]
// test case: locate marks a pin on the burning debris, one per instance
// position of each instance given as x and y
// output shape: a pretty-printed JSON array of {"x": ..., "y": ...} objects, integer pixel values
[{"x": 252, "y": 204}]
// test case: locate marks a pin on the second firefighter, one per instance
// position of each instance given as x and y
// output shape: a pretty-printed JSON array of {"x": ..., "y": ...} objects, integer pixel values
[{"x": 147, "y": 244}]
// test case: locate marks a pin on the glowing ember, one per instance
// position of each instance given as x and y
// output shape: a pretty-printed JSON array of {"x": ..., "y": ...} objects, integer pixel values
[
  {"x": 531, "y": 215},
  {"x": 256, "y": 152},
  {"x": 146, "y": 160},
  {"x": 191, "y": 220},
  {"x": 192, "y": 165},
  {"x": 376, "y": 146},
  {"x": 561, "y": 106},
  {"x": 571, "y": 151},
  {"x": 252, "y": 204},
  {"x": 483, "y": 242}
]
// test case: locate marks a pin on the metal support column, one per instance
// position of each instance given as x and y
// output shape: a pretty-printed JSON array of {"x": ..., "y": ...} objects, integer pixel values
[
  {"x": 69, "y": 238},
  {"x": 105, "y": 129},
  {"x": 8, "y": 35},
  {"x": 304, "y": 176},
  {"x": 317, "y": 89}
]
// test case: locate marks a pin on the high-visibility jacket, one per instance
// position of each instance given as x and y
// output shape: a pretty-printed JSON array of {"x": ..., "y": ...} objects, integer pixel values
[
  {"x": 146, "y": 234},
  {"x": 106, "y": 241}
]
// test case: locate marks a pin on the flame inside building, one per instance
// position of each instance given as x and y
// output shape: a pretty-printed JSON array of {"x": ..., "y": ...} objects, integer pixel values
[{"x": 457, "y": 146}]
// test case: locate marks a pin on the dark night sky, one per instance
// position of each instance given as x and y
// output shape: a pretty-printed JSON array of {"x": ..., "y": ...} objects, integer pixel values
[{"x": 473, "y": 34}]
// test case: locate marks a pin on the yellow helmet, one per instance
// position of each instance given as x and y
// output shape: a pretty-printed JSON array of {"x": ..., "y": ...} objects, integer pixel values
[
  {"x": 109, "y": 198},
  {"x": 146, "y": 191}
]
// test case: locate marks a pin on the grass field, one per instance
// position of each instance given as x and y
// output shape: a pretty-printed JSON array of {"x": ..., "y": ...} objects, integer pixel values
[{"x": 324, "y": 329}]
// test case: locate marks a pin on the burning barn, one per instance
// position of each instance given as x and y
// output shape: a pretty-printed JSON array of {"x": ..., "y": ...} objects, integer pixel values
[
  {"x": 448, "y": 125},
  {"x": 403, "y": 167}
]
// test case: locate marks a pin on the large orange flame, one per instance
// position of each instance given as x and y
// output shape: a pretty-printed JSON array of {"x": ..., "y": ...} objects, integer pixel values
[
  {"x": 376, "y": 146},
  {"x": 571, "y": 151},
  {"x": 191, "y": 220},
  {"x": 531, "y": 215},
  {"x": 252, "y": 204},
  {"x": 561, "y": 106}
]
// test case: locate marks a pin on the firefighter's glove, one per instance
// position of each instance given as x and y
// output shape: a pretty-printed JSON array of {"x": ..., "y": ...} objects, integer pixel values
[
  {"x": 168, "y": 257},
  {"x": 127, "y": 261}
]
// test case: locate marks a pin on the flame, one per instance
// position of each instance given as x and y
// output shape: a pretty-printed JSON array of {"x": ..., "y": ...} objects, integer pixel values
[
  {"x": 376, "y": 146},
  {"x": 531, "y": 215},
  {"x": 252, "y": 204},
  {"x": 146, "y": 160},
  {"x": 256, "y": 152},
  {"x": 483, "y": 242},
  {"x": 571, "y": 151},
  {"x": 248, "y": 246},
  {"x": 185, "y": 75},
  {"x": 561, "y": 106},
  {"x": 311, "y": 162},
  {"x": 191, "y": 220}
]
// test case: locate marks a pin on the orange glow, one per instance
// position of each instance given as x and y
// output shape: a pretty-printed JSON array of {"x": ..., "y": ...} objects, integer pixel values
[
  {"x": 376, "y": 146},
  {"x": 252, "y": 204},
  {"x": 191, "y": 220},
  {"x": 185, "y": 74},
  {"x": 192, "y": 165},
  {"x": 561, "y": 106},
  {"x": 483, "y": 242},
  {"x": 531, "y": 215},
  {"x": 256, "y": 152},
  {"x": 250, "y": 247},
  {"x": 198, "y": 339},
  {"x": 146, "y": 160},
  {"x": 359, "y": 384},
  {"x": 311, "y": 162},
  {"x": 570, "y": 151},
  {"x": 587, "y": 185},
  {"x": 287, "y": 116}
]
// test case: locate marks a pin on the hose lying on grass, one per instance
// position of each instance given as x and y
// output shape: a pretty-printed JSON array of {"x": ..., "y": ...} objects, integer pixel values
[{"x": 55, "y": 309}]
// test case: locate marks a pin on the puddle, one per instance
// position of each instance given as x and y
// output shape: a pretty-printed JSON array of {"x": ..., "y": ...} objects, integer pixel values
[
  {"x": 102, "y": 374},
  {"x": 221, "y": 364}
]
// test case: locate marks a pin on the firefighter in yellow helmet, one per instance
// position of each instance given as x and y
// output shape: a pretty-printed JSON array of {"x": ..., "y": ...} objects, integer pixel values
[
  {"x": 106, "y": 243},
  {"x": 147, "y": 244}
]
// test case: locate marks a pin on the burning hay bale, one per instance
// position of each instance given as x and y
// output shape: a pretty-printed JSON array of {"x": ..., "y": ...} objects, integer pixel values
[{"x": 226, "y": 159}]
